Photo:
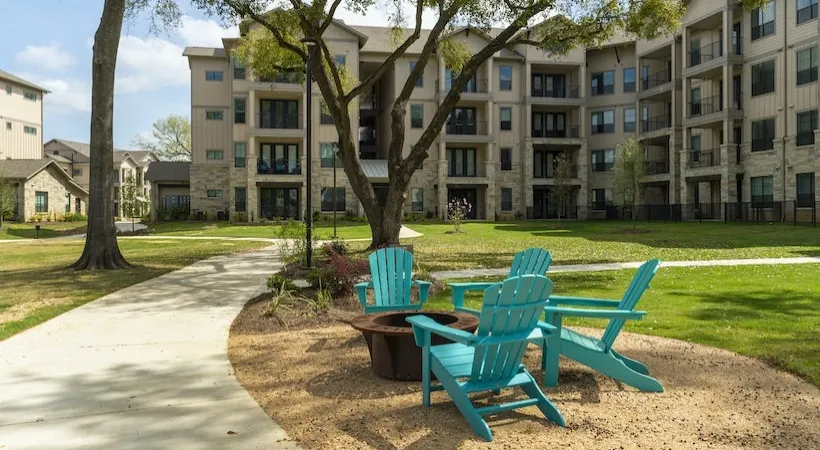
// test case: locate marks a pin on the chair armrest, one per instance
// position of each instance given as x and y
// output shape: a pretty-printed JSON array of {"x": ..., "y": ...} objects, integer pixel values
[
  {"x": 424, "y": 289},
  {"x": 424, "y": 324},
  {"x": 473, "y": 286},
  {"x": 547, "y": 328},
  {"x": 361, "y": 291},
  {"x": 595, "y": 313},
  {"x": 582, "y": 301},
  {"x": 470, "y": 311}
]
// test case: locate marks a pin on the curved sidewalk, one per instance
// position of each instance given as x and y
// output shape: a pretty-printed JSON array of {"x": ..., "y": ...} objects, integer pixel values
[{"x": 142, "y": 368}]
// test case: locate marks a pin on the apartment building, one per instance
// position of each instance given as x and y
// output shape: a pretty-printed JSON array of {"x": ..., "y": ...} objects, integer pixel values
[
  {"x": 21, "y": 118},
  {"x": 726, "y": 111}
]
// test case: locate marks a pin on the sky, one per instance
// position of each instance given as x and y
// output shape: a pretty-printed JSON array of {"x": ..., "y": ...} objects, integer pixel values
[{"x": 49, "y": 42}]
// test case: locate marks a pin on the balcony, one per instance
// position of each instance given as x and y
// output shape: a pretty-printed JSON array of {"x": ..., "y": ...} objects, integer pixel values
[
  {"x": 466, "y": 170},
  {"x": 707, "y": 60},
  {"x": 569, "y": 96},
  {"x": 290, "y": 85},
  {"x": 277, "y": 125},
  {"x": 476, "y": 89},
  {"x": 762, "y": 144},
  {"x": 284, "y": 78},
  {"x": 278, "y": 167},
  {"x": 568, "y": 133},
  {"x": 704, "y": 158},
  {"x": 656, "y": 167},
  {"x": 602, "y": 166},
  {"x": 805, "y": 138},
  {"x": 706, "y": 53},
  {"x": 656, "y": 79},
  {"x": 655, "y": 123},
  {"x": 548, "y": 172},
  {"x": 706, "y": 106},
  {"x": 368, "y": 102},
  {"x": 468, "y": 130},
  {"x": 602, "y": 89}
]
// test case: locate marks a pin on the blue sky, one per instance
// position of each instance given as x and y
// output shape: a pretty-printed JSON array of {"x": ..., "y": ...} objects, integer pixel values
[{"x": 49, "y": 43}]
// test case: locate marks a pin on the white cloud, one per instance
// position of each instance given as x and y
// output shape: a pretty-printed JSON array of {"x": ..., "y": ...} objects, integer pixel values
[
  {"x": 150, "y": 63},
  {"x": 204, "y": 33},
  {"x": 50, "y": 57}
]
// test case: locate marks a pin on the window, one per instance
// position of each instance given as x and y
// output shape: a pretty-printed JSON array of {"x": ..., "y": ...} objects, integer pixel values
[
  {"x": 603, "y": 160},
  {"x": 67, "y": 203},
  {"x": 215, "y": 193},
  {"x": 327, "y": 199},
  {"x": 807, "y": 65},
  {"x": 240, "y": 195},
  {"x": 213, "y": 154},
  {"x": 29, "y": 130},
  {"x": 416, "y": 116},
  {"x": 599, "y": 199},
  {"x": 8, "y": 90},
  {"x": 806, "y": 124},
  {"x": 417, "y": 199},
  {"x": 213, "y": 115},
  {"x": 462, "y": 162},
  {"x": 213, "y": 75},
  {"x": 420, "y": 80},
  {"x": 239, "y": 154},
  {"x": 41, "y": 202},
  {"x": 239, "y": 110},
  {"x": 550, "y": 125},
  {"x": 629, "y": 79},
  {"x": 505, "y": 78},
  {"x": 279, "y": 158},
  {"x": 805, "y": 190},
  {"x": 694, "y": 102},
  {"x": 763, "y": 21},
  {"x": 327, "y": 153},
  {"x": 763, "y": 78},
  {"x": 506, "y": 118},
  {"x": 8, "y": 125},
  {"x": 806, "y": 10},
  {"x": 279, "y": 114},
  {"x": 506, "y": 199},
  {"x": 341, "y": 60},
  {"x": 324, "y": 115},
  {"x": 116, "y": 176},
  {"x": 694, "y": 148},
  {"x": 762, "y": 196},
  {"x": 762, "y": 135},
  {"x": 629, "y": 120},
  {"x": 238, "y": 69},
  {"x": 30, "y": 95},
  {"x": 116, "y": 193},
  {"x": 603, "y": 83},
  {"x": 603, "y": 122},
  {"x": 506, "y": 159},
  {"x": 77, "y": 172}
]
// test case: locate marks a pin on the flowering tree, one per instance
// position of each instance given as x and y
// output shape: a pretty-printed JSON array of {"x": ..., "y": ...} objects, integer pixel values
[{"x": 457, "y": 211}]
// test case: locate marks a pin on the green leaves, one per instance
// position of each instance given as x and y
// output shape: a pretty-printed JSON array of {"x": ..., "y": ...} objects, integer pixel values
[
  {"x": 455, "y": 53},
  {"x": 629, "y": 170}
]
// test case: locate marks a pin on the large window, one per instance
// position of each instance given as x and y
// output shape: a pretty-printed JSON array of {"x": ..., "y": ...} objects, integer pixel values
[
  {"x": 214, "y": 155},
  {"x": 213, "y": 75},
  {"x": 239, "y": 110},
  {"x": 763, "y": 21},
  {"x": 238, "y": 69},
  {"x": 279, "y": 114},
  {"x": 806, "y": 10},
  {"x": 327, "y": 153},
  {"x": 278, "y": 158},
  {"x": 239, "y": 154},
  {"x": 417, "y": 116},
  {"x": 506, "y": 159},
  {"x": 327, "y": 199},
  {"x": 506, "y": 118},
  {"x": 462, "y": 162},
  {"x": 599, "y": 199},
  {"x": 763, "y": 78},
  {"x": 603, "y": 83},
  {"x": 629, "y": 79},
  {"x": 762, "y": 192},
  {"x": 806, "y": 65},
  {"x": 763, "y": 133},
  {"x": 805, "y": 189},
  {"x": 41, "y": 202},
  {"x": 549, "y": 124},
  {"x": 603, "y": 122},
  {"x": 603, "y": 160},
  {"x": 629, "y": 120},
  {"x": 213, "y": 115},
  {"x": 240, "y": 199},
  {"x": 420, "y": 80},
  {"x": 506, "y": 199},
  {"x": 551, "y": 85},
  {"x": 806, "y": 124},
  {"x": 505, "y": 78},
  {"x": 417, "y": 199}
]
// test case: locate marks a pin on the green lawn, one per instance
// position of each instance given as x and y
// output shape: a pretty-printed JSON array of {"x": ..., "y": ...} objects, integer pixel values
[
  {"x": 767, "y": 312},
  {"x": 493, "y": 244},
  {"x": 324, "y": 228},
  {"x": 36, "y": 285},
  {"x": 13, "y": 230}
]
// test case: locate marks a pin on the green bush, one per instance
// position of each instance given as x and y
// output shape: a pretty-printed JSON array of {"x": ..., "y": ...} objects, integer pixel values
[
  {"x": 338, "y": 247},
  {"x": 277, "y": 280},
  {"x": 74, "y": 217},
  {"x": 292, "y": 244}
]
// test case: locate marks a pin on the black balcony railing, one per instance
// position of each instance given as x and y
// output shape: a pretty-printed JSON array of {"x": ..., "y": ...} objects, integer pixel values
[
  {"x": 568, "y": 92},
  {"x": 278, "y": 167},
  {"x": 474, "y": 86},
  {"x": 466, "y": 127},
  {"x": 704, "y": 158},
  {"x": 656, "y": 79},
  {"x": 603, "y": 128},
  {"x": 655, "y": 123},
  {"x": 602, "y": 166},
  {"x": 465, "y": 170},
  {"x": 806, "y": 13},
  {"x": 543, "y": 171},
  {"x": 762, "y": 144},
  {"x": 573, "y": 132},
  {"x": 278, "y": 121},
  {"x": 706, "y": 106},
  {"x": 762, "y": 30},
  {"x": 657, "y": 167},
  {"x": 705, "y": 53},
  {"x": 805, "y": 137},
  {"x": 284, "y": 78}
]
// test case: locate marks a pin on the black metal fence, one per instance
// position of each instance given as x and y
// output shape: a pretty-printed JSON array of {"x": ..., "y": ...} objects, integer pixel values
[{"x": 795, "y": 212}]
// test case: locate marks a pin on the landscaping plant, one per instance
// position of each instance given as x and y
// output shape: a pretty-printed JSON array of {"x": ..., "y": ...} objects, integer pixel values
[{"x": 457, "y": 211}]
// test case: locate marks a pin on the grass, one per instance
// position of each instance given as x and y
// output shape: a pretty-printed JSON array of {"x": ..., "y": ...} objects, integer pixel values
[
  {"x": 766, "y": 312},
  {"x": 37, "y": 285},
  {"x": 345, "y": 229},
  {"x": 12, "y": 230}
]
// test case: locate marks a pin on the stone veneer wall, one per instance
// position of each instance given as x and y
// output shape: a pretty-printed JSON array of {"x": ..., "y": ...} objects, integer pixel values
[
  {"x": 204, "y": 177},
  {"x": 45, "y": 181}
]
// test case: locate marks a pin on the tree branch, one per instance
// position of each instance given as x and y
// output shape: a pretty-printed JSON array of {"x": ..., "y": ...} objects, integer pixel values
[
  {"x": 244, "y": 10},
  {"x": 330, "y": 14}
]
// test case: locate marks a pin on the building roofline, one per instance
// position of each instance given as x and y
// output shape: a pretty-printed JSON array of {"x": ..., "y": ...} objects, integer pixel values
[{"x": 15, "y": 79}]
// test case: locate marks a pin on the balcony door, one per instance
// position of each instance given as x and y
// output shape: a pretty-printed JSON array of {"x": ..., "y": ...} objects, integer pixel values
[
  {"x": 279, "y": 158},
  {"x": 279, "y": 114},
  {"x": 549, "y": 124},
  {"x": 462, "y": 162},
  {"x": 462, "y": 121},
  {"x": 277, "y": 203},
  {"x": 450, "y": 76}
]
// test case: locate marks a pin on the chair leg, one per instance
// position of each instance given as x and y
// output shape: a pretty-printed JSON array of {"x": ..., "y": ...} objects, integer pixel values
[
  {"x": 550, "y": 357},
  {"x": 458, "y": 297},
  {"x": 464, "y": 404},
  {"x": 544, "y": 404},
  {"x": 617, "y": 369},
  {"x": 425, "y": 376},
  {"x": 632, "y": 364}
]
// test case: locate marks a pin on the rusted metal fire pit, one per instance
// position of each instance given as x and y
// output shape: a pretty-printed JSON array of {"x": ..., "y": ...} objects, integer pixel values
[{"x": 393, "y": 351}]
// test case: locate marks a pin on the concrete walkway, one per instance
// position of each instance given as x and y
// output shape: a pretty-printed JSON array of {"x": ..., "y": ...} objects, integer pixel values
[
  {"x": 474, "y": 273},
  {"x": 143, "y": 368}
]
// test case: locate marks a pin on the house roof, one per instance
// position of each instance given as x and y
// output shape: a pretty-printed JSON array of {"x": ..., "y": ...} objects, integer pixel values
[
  {"x": 379, "y": 40},
  {"x": 25, "y": 169},
  {"x": 169, "y": 171},
  {"x": 85, "y": 150},
  {"x": 139, "y": 155},
  {"x": 15, "y": 79},
  {"x": 374, "y": 168},
  {"x": 59, "y": 158},
  {"x": 207, "y": 52}
]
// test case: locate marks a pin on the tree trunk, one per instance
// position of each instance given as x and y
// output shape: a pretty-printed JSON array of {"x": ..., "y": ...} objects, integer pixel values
[
  {"x": 101, "y": 250},
  {"x": 385, "y": 222}
]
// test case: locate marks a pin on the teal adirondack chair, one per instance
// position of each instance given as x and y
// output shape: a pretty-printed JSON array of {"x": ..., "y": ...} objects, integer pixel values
[
  {"x": 489, "y": 360},
  {"x": 598, "y": 353},
  {"x": 392, "y": 273},
  {"x": 532, "y": 261}
]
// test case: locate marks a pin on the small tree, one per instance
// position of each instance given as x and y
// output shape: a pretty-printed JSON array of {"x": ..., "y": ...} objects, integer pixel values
[
  {"x": 131, "y": 206},
  {"x": 629, "y": 171},
  {"x": 563, "y": 189},
  {"x": 457, "y": 211},
  {"x": 171, "y": 138},
  {"x": 8, "y": 198}
]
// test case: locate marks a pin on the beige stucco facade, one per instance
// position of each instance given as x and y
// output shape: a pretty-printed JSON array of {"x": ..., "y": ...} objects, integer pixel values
[{"x": 21, "y": 118}]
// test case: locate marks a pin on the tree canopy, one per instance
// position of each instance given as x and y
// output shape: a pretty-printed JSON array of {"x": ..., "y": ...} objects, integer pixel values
[{"x": 170, "y": 139}]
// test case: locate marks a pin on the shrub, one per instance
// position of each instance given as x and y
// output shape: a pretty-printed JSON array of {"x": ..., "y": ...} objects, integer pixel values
[
  {"x": 239, "y": 217},
  {"x": 338, "y": 247},
  {"x": 292, "y": 244},
  {"x": 74, "y": 217},
  {"x": 457, "y": 211},
  {"x": 278, "y": 280},
  {"x": 282, "y": 299}
]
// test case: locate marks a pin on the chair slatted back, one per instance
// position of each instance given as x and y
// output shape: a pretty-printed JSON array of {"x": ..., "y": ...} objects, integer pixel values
[
  {"x": 532, "y": 261},
  {"x": 640, "y": 283},
  {"x": 512, "y": 307},
  {"x": 392, "y": 272}
]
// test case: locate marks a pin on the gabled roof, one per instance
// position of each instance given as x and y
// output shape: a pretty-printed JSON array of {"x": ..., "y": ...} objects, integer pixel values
[
  {"x": 379, "y": 40},
  {"x": 59, "y": 159},
  {"x": 119, "y": 154},
  {"x": 362, "y": 37},
  {"x": 207, "y": 52},
  {"x": 15, "y": 79},
  {"x": 169, "y": 171},
  {"x": 25, "y": 169},
  {"x": 78, "y": 147},
  {"x": 487, "y": 35}
]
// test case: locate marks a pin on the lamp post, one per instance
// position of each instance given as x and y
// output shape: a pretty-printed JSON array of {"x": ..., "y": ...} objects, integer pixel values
[
  {"x": 309, "y": 43},
  {"x": 335, "y": 155}
]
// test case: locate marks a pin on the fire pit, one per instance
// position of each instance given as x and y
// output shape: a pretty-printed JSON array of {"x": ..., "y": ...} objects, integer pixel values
[{"x": 393, "y": 351}]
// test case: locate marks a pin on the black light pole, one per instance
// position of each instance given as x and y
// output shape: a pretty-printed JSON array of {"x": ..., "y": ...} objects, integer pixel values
[
  {"x": 309, "y": 43},
  {"x": 335, "y": 155}
]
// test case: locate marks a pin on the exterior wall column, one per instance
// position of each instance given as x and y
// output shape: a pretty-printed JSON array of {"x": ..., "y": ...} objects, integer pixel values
[
  {"x": 525, "y": 146},
  {"x": 252, "y": 191},
  {"x": 442, "y": 179}
]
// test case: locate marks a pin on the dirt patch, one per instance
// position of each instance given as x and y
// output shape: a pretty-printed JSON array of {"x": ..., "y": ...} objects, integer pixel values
[
  {"x": 253, "y": 321},
  {"x": 318, "y": 384},
  {"x": 11, "y": 313}
]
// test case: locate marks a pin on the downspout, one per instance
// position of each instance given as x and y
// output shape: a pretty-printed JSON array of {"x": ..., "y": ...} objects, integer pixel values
[{"x": 784, "y": 83}]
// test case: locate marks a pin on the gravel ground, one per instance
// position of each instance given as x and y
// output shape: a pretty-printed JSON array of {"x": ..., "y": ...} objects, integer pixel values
[{"x": 316, "y": 382}]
